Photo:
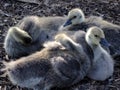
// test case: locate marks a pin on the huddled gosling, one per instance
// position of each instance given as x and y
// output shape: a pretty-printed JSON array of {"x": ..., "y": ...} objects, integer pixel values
[
  {"x": 103, "y": 64},
  {"x": 19, "y": 43},
  {"x": 31, "y": 32},
  {"x": 77, "y": 21},
  {"x": 56, "y": 65}
]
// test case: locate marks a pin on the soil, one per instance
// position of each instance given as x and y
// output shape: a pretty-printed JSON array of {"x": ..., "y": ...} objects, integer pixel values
[{"x": 11, "y": 11}]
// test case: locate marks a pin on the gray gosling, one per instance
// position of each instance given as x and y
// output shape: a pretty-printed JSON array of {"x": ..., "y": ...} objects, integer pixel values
[
  {"x": 19, "y": 43},
  {"x": 112, "y": 31},
  {"x": 75, "y": 21},
  {"x": 56, "y": 65},
  {"x": 31, "y": 32},
  {"x": 103, "y": 65}
]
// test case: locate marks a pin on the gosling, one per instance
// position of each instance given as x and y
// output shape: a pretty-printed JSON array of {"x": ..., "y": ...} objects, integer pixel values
[
  {"x": 103, "y": 65},
  {"x": 56, "y": 65},
  {"x": 31, "y": 32},
  {"x": 19, "y": 43},
  {"x": 75, "y": 21},
  {"x": 112, "y": 31}
]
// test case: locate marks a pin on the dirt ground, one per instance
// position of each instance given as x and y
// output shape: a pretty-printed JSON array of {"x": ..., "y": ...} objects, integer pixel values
[{"x": 11, "y": 11}]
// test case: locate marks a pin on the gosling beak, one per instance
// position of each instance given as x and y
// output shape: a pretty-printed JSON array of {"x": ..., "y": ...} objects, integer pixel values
[
  {"x": 104, "y": 42},
  {"x": 68, "y": 22}
]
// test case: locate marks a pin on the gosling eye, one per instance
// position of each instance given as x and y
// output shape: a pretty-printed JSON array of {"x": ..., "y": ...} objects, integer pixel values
[
  {"x": 96, "y": 35},
  {"x": 47, "y": 37},
  {"x": 73, "y": 17}
]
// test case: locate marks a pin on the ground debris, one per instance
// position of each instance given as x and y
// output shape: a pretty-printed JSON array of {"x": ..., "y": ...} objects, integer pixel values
[{"x": 11, "y": 11}]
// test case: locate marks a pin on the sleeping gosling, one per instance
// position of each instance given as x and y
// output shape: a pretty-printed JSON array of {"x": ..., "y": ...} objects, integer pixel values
[
  {"x": 31, "y": 32},
  {"x": 19, "y": 43},
  {"x": 53, "y": 66}
]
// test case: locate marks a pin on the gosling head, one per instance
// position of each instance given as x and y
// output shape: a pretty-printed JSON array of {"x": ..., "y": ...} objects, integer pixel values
[
  {"x": 67, "y": 42},
  {"x": 95, "y": 36},
  {"x": 20, "y": 35},
  {"x": 63, "y": 39},
  {"x": 60, "y": 37},
  {"x": 75, "y": 16}
]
